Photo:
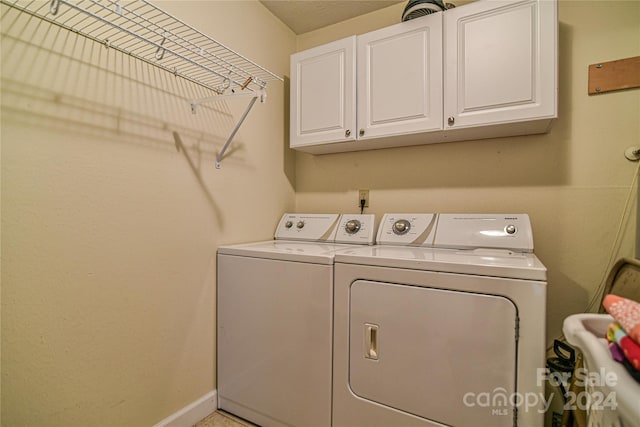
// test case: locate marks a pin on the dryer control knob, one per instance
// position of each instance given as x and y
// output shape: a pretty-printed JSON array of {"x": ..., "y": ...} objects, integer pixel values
[
  {"x": 288, "y": 224},
  {"x": 401, "y": 226},
  {"x": 510, "y": 229},
  {"x": 352, "y": 226},
  {"x": 300, "y": 224}
]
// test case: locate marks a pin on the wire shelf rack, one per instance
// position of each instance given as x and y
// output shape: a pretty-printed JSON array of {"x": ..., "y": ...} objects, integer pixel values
[
  {"x": 147, "y": 33},
  {"x": 142, "y": 30}
]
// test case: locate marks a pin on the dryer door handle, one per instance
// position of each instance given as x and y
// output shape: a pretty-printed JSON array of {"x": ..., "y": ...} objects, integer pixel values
[{"x": 371, "y": 341}]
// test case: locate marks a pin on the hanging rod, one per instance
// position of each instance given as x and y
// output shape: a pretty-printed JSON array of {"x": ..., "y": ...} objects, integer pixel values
[{"x": 145, "y": 32}]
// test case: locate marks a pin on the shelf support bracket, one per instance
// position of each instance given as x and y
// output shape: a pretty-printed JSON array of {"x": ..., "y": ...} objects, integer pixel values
[
  {"x": 233, "y": 133},
  {"x": 262, "y": 94}
]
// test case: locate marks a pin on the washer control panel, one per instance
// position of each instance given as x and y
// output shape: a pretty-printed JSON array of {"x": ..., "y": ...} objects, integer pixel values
[
  {"x": 356, "y": 229},
  {"x": 310, "y": 227},
  {"x": 329, "y": 228},
  {"x": 352, "y": 226},
  {"x": 407, "y": 229}
]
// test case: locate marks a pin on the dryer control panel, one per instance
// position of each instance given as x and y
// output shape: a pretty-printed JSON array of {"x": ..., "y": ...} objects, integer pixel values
[
  {"x": 495, "y": 231},
  {"x": 407, "y": 229},
  {"x": 458, "y": 231}
]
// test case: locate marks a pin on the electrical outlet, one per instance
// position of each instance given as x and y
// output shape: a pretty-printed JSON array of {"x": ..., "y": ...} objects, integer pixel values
[{"x": 363, "y": 194}]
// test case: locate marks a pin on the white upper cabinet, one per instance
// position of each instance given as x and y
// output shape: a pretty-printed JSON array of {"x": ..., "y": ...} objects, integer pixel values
[
  {"x": 323, "y": 94},
  {"x": 500, "y": 64},
  {"x": 482, "y": 70},
  {"x": 399, "y": 71}
]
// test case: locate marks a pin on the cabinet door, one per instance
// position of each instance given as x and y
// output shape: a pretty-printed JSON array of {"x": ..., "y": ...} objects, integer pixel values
[
  {"x": 400, "y": 78},
  {"x": 500, "y": 62},
  {"x": 323, "y": 94}
]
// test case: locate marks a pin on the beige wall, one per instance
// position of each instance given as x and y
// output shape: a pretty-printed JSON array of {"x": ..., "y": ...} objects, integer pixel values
[
  {"x": 573, "y": 182},
  {"x": 109, "y": 234}
]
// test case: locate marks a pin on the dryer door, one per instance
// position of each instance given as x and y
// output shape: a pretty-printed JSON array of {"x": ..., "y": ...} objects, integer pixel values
[{"x": 443, "y": 355}]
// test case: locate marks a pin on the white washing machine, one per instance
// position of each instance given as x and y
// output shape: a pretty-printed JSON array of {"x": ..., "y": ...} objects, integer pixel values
[
  {"x": 441, "y": 324},
  {"x": 274, "y": 317}
]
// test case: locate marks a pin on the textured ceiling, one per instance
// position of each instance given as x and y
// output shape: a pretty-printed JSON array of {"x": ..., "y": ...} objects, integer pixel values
[{"x": 307, "y": 15}]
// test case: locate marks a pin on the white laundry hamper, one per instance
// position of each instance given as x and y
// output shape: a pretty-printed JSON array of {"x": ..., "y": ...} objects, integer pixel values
[
  {"x": 606, "y": 378},
  {"x": 611, "y": 397}
]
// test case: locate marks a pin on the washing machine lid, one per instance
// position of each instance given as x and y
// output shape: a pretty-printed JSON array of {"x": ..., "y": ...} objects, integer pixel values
[
  {"x": 482, "y": 262},
  {"x": 310, "y": 252}
]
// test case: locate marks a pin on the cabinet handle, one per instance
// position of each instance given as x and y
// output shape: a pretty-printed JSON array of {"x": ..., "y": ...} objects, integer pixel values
[
  {"x": 361, "y": 132},
  {"x": 451, "y": 121},
  {"x": 347, "y": 133}
]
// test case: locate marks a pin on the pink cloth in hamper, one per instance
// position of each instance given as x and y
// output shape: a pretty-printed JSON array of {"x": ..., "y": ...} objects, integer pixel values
[{"x": 626, "y": 312}]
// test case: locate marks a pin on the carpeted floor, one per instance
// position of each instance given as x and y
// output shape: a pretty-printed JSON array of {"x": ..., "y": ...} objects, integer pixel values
[{"x": 222, "y": 419}]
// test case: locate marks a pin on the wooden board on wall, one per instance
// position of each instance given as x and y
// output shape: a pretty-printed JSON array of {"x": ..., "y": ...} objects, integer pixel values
[{"x": 614, "y": 75}]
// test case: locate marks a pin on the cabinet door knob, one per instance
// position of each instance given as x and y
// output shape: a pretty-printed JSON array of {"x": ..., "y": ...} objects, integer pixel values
[
  {"x": 451, "y": 121},
  {"x": 347, "y": 132},
  {"x": 361, "y": 132}
]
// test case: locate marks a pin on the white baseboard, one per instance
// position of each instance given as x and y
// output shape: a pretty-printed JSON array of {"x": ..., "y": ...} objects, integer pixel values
[{"x": 192, "y": 413}]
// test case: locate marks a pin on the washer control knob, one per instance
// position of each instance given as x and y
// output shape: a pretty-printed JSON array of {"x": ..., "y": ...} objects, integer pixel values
[
  {"x": 300, "y": 224},
  {"x": 352, "y": 226},
  {"x": 288, "y": 224},
  {"x": 401, "y": 226},
  {"x": 510, "y": 229}
]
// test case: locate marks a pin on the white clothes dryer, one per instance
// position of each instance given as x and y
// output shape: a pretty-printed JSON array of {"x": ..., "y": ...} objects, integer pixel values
[
  {"x": 274, "y": 319},
  {"x": 441, "y": 324}
]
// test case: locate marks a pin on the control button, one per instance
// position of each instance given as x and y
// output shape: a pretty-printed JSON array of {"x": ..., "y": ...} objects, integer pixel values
[
  {"x": 288, "y": 224},
  {"x": 401, "y": 226},
  {"x": 300, "y": 224},
  {"x": 352, "y": 226},
  {"x": 510, "y": 229}
]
